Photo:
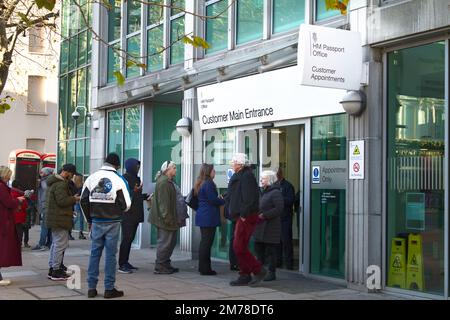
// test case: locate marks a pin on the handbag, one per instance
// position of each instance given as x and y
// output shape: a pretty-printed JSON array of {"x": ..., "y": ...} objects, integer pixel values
[{"x": 192, "y": 200}]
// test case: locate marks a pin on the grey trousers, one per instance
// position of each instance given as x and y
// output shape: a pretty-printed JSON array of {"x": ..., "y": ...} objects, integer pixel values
[
  {"x": 60, "y": 242},
  {"x": 167, "y": 240}
]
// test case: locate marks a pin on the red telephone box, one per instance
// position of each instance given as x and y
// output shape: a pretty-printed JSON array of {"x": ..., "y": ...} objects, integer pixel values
[
  {"x": 48, "y": 160},
  {"x": 25, "y": 165}
]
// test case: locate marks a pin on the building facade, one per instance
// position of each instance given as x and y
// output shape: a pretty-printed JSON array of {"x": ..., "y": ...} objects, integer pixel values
[
  {"x": 242, "y": 94},
  {"x": 31, "y": 123}
]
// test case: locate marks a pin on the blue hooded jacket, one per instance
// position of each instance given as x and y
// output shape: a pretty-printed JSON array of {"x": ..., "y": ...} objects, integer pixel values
[{"x": 136, "y": 212}]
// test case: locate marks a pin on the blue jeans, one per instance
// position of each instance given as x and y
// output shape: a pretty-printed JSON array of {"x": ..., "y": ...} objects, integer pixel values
[
  {"x": 103, "y": 235},
  {"x": 45, "y": 238},
  {"x": 79, "y": 217}
]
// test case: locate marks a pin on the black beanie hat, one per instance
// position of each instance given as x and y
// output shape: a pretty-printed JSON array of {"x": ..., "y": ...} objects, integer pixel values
[{"x": 113, "y": 159}]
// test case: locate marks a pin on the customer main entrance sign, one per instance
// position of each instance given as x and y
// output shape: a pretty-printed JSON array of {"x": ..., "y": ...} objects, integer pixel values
[{"x": 329, "y": 57}]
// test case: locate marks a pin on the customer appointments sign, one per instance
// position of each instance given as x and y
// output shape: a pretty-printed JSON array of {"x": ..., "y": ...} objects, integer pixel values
[
  {"x": 356, "y": 160},
  {"x": 329, "y": 57}
]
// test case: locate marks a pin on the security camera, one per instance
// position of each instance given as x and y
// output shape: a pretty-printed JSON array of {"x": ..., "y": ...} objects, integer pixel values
[{"x": 75, "y": 115}]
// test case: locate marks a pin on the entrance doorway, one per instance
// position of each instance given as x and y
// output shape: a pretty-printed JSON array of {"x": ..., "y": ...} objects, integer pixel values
[{"x": 281, "y": 149}]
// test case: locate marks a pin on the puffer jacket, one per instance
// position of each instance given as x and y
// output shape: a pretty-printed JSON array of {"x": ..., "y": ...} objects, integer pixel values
[
  {"x": 242, "y": 198},
  {"x": 271, "y": 205},
  {"x": 60, "y": 203}
]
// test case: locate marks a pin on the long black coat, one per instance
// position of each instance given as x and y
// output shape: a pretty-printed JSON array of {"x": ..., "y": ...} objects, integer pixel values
[
  {"x": 243, "y": 194},
  {"x": 271, "y": 206}
]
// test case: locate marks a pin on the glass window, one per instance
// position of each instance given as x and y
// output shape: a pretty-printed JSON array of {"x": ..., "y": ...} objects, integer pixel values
[
  {"x": 322, "y": 13},
  {"x": 114, "y": 20},
  {"x": 132, "y": 133},
  {"x": 72, "y": 104},
  {"x": 415, "y": 168},
  {"x": 70, "y": 157},
  {"x": 328, "y": 154},
  {"x": 62, "y": 120},
  {"x": 249, "y": 20},
  {"x": 155, "y": 45},
  {"x": 133, "y": 16},
  {"x": 217, "y": 29},
  {"x": 87, "y": 155},
  {"x": 74, "y": 18},
  {"x": 155, "y": 13},
  {"x": 288, "y": 14},
  {"x": 177, "y": 45},
  {"x": 64, "y": 56},
  {"x": 61, "y": 154},
  {"x": 113, "y": 62},
  {"x": 134, "y": 51},
  {"x": 79, "y": 159},
  {"x": 115, "y": 130},
  {"x": 176, "y": 4},
  {"x": 73, "y": 53},
  {"x": 81, "y": 102},
  {"x": 89, "y": 46},
  {"x": 82, "y": 48},
  {"x": 65, "y": 22}
]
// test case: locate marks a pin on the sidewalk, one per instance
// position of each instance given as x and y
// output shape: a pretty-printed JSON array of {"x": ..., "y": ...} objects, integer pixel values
[{"x": 30, "y": 281}]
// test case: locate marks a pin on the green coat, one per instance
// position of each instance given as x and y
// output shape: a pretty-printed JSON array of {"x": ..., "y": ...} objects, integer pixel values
[
  {"x": 163, "y": 213},
  {"x": 60, "y": 203}
]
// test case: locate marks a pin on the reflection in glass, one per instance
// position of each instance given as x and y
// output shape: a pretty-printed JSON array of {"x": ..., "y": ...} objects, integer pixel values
[
  {"x": 113, "y": 62},
  {"x": 322, "y": 13},
  {"x": 115, "y": 119},
  {"x": 114, "y": 20},
  {"x": 217, "y": 29},
  {"x": 176, "y": 36},
  {"x": 155, "y": 13},
  {"x": 287, "y": 14},
  {"x": 133, "y": 16},
  {"x": 132, "y": 133},
  {"x": 249, "y": 20},
  {"x": 154, "y": 46},
  {"x": 415, "y": 168},
  {"x": 134, "y": 53}
]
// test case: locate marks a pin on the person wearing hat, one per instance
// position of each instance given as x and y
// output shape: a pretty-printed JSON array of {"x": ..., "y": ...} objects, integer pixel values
[
  {"x": 104, "y": 201},
  {"x": 163, "y": 216},
  {"x": 60, "y": 202},
  {"x": 45, "y": 239},
  {"x": 10, "y": 254},
  {"x": 242, "y": 201}
]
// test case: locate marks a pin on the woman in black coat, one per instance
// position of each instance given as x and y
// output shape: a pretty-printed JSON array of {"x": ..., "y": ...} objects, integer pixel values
[{"x": 268, "y": 230}]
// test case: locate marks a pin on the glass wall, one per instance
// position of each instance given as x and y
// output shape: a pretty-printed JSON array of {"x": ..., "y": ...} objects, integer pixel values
[
  {"x": 155, "y": 37},
  {"x": 133, "y": 37},
  {"x": 114, "y": 26},
  {"x": 415, "y": 168},
  {"x": 217, "y": 29},
  {"x": 287, "y": 14},
  {"x": 218, "y": 149},
  {"x": 328, "y": 188},
  {"x": 74, "y": 86},
  {"x": 166, "y": 144},
  {"x": 249, "y": 23},
  {"x": 124, "y": 137},
  {"x": 322, "y": 13}
]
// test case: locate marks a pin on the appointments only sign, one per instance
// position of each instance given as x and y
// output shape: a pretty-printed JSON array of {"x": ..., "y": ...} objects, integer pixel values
[
  {"x": 356, "y": 160},
  {"x": 330, "y": 58}
]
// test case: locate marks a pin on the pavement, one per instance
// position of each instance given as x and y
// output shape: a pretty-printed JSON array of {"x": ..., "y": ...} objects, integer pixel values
[{"x": 30, "y": 282}]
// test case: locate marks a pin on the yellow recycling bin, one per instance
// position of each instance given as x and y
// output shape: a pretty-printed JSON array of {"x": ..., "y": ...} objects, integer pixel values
[
  {"x": 414, "y": 267},
  {"x": 397, "y": 264}
]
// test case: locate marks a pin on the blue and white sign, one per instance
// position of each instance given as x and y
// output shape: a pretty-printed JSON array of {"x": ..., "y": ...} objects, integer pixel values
[
  {"x": 230, "y": 173},
  {"x": 316, "y": 174}
]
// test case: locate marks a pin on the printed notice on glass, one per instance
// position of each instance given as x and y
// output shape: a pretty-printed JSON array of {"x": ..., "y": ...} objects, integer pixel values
[{"x": 356, "y": 160}]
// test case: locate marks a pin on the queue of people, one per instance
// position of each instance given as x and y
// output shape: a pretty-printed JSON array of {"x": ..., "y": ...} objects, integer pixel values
[{"x": 113, "y": 204}]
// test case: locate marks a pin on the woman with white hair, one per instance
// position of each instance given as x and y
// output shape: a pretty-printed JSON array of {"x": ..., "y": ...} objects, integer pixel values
[
  {"x": 10, "y": 254},
  {"x": 163, "y": 216},
  {"x": 268, "y": 231}
]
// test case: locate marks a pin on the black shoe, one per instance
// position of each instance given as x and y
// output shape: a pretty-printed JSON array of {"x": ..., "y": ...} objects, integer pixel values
[
  {"x": 257, "y": 278},
  {"x": 63, "y": 267},
  {"x": 163, "y": 270},
  {"x": 241, "y": 281},
  {"x": 50, "y": 271},
  {"x": 70, "y": 237},
  {"x": 130, "y": 266},
  {"x": 234, "y": 267},
  {"x": 114, "y": 293},
  {"x": 208, "y": 273},
  {"x": 92, "y": 293},
  {"x": 174, "y": 270},
  {"x": 81, "y": 236},
  {"x": 125, "y": 269},
  {"x": 59, "y": 275},
  {"x": 270, "y": 276}
]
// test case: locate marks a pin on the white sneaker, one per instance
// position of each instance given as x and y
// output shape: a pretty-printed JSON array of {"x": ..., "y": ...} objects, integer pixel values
[{"x": 5, "y": 283}]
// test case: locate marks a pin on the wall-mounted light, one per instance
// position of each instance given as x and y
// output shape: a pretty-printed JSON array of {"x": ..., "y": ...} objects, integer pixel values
[
  {"x": 76, "y": 114},
  {"x": 354, "y": 102},
  {"x": 184, "y": 126}
]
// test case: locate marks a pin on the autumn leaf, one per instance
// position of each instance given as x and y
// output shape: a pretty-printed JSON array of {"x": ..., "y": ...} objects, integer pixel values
[
  {"x": 340, "y": 5},
  {"x": 25, "y": 19},
  {"x": 130, "y": 63},
  {"x": 47, "y": 4},
  {"x": 120, "y": 78}
]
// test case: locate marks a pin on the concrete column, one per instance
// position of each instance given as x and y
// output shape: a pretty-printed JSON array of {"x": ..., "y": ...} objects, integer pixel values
[{"x": 364, "y": 197}]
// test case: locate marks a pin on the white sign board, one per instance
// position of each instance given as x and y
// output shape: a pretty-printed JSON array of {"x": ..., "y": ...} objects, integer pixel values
[
  {"x": 329, "y": 57},
  {"x": 271, "y": 96},
  {"x": 356, "y": 160}
]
